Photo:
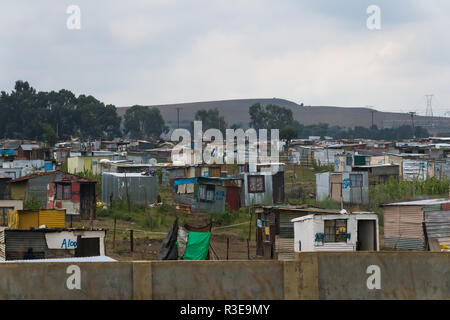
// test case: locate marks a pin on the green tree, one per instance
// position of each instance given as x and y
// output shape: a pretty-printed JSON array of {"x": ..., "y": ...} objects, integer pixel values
[
  {"x": 288, "y": 133},
  {"x": 211, "y": 119},
  {"x": 270, "y": 116},
  {"x": 25, "y": 112},
  {"x": 142, "y": 122},
  {"x": 49, "y": 136}
]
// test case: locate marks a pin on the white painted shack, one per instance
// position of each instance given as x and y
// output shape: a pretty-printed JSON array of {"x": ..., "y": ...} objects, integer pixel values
[{"x": 336, "y": 232}]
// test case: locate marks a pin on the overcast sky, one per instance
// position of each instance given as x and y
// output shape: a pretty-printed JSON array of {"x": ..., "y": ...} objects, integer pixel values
[{"x": 164, "y": 51}]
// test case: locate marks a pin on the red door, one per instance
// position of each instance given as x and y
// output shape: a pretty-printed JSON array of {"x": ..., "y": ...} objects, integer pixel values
[{"x": 232, "y": 198}]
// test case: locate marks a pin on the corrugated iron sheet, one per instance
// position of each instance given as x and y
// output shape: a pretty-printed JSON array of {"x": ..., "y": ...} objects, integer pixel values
[
  {"x": 414, "y": 169},
  {"x": 18, "y": 243},
  {"x": 403, "y": 222},
  {"x": 433, "y": 207},
  {"x": 405, "y": 243},
  {"x": 286, "y": 226},
  {"x": 52, "y": 218},
  {"x": 140, "y": 189},
  {"x": 437, "y": 224},
  {"x": 26, "y": 219},
  {"x": 437, "y": 229},
  {"x": 284, "y": 248},
  {"x": 437, "y": 216}
]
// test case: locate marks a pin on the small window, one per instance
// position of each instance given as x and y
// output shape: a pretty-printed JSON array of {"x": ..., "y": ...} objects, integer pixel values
[
  {"x": 349, "y": 161},
  {"x": 206, "y": 192},
  {"x": 63, "y": 191},
  {"x": 256, "y": 184},
  {"x": 336, "y": 230},
  {"x": 356, "y": 180}
]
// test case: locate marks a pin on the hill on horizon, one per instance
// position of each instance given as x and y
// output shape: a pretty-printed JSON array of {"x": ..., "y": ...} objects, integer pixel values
[{"x": 236, "y": 111}]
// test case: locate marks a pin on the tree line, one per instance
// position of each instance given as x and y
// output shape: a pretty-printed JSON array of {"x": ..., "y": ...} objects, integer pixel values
[{"x": 51, "y": 116}]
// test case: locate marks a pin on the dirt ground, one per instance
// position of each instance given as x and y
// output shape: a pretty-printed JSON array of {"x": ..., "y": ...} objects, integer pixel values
[{"x": 147, "y": 248}]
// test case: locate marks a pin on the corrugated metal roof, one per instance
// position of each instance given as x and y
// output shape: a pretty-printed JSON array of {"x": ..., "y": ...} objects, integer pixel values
[
  {"x": 44, "y": 173},
  {"x": 29, "y": 147}
]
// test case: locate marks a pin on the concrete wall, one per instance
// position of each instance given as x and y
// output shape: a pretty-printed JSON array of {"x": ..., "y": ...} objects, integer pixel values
[{"x": 325, "y": 275}]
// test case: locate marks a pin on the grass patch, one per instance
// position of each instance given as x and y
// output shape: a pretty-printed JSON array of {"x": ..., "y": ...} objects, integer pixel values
[{"x": 159, "y": 218}]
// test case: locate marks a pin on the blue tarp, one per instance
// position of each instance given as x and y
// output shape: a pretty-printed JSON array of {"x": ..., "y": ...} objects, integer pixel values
[
  {"x": 7, "y": 152},
  {"x": 184, "y": 181}
]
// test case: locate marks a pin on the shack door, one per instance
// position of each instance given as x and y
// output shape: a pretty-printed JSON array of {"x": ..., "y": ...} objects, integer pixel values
[
  {"x": 278, "y": 187},
  {"x": 336, "y": 186},
  {"x": 232, "y": 198},
  {"x": 87, "y": 200},
  {"x": 87, "y": 247},
  {"x": 367, "y": 240}
]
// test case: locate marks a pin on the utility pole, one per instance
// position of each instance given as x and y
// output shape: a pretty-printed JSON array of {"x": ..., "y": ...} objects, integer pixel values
[
  {"x": 412, "y": 122},
  {"x": 372, "y": 112}
]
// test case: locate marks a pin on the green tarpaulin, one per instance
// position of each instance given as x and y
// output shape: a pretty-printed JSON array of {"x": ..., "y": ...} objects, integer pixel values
[{"x": 197, "y": 246}]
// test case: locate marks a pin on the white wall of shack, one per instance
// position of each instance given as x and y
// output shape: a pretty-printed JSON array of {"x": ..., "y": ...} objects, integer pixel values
[
  {"x": 305, "y": 232},
  {"x": 61, "y": 240}
]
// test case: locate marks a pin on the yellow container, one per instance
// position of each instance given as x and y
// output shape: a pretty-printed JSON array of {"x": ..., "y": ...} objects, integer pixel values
[{"x": 26, "y": 219}]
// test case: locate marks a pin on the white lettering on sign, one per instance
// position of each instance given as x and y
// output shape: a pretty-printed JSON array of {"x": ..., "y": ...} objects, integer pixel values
[
  {"x": 374, "y": 281},
  {"x": 68, "y": 243},
  {"x": 74, "y": 280}
]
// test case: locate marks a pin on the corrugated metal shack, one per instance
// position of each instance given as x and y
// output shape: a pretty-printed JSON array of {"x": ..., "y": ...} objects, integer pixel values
[
  {"x": 138, "y": 188},
  {"x": 275, "y": 231},
  {"x": 263, "y": 184},
  {"x": 352, "y": 187},
  {"x": 57, "y": 189},
  {"x": 411, "y": 225},
  {"x": 442, "y": 169},
  {"x": 201, "y": 194},
  {"x": 170, "y": 173},
  {"x": 31, "y": 244},
  {"x": 380, "y": 173}
]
